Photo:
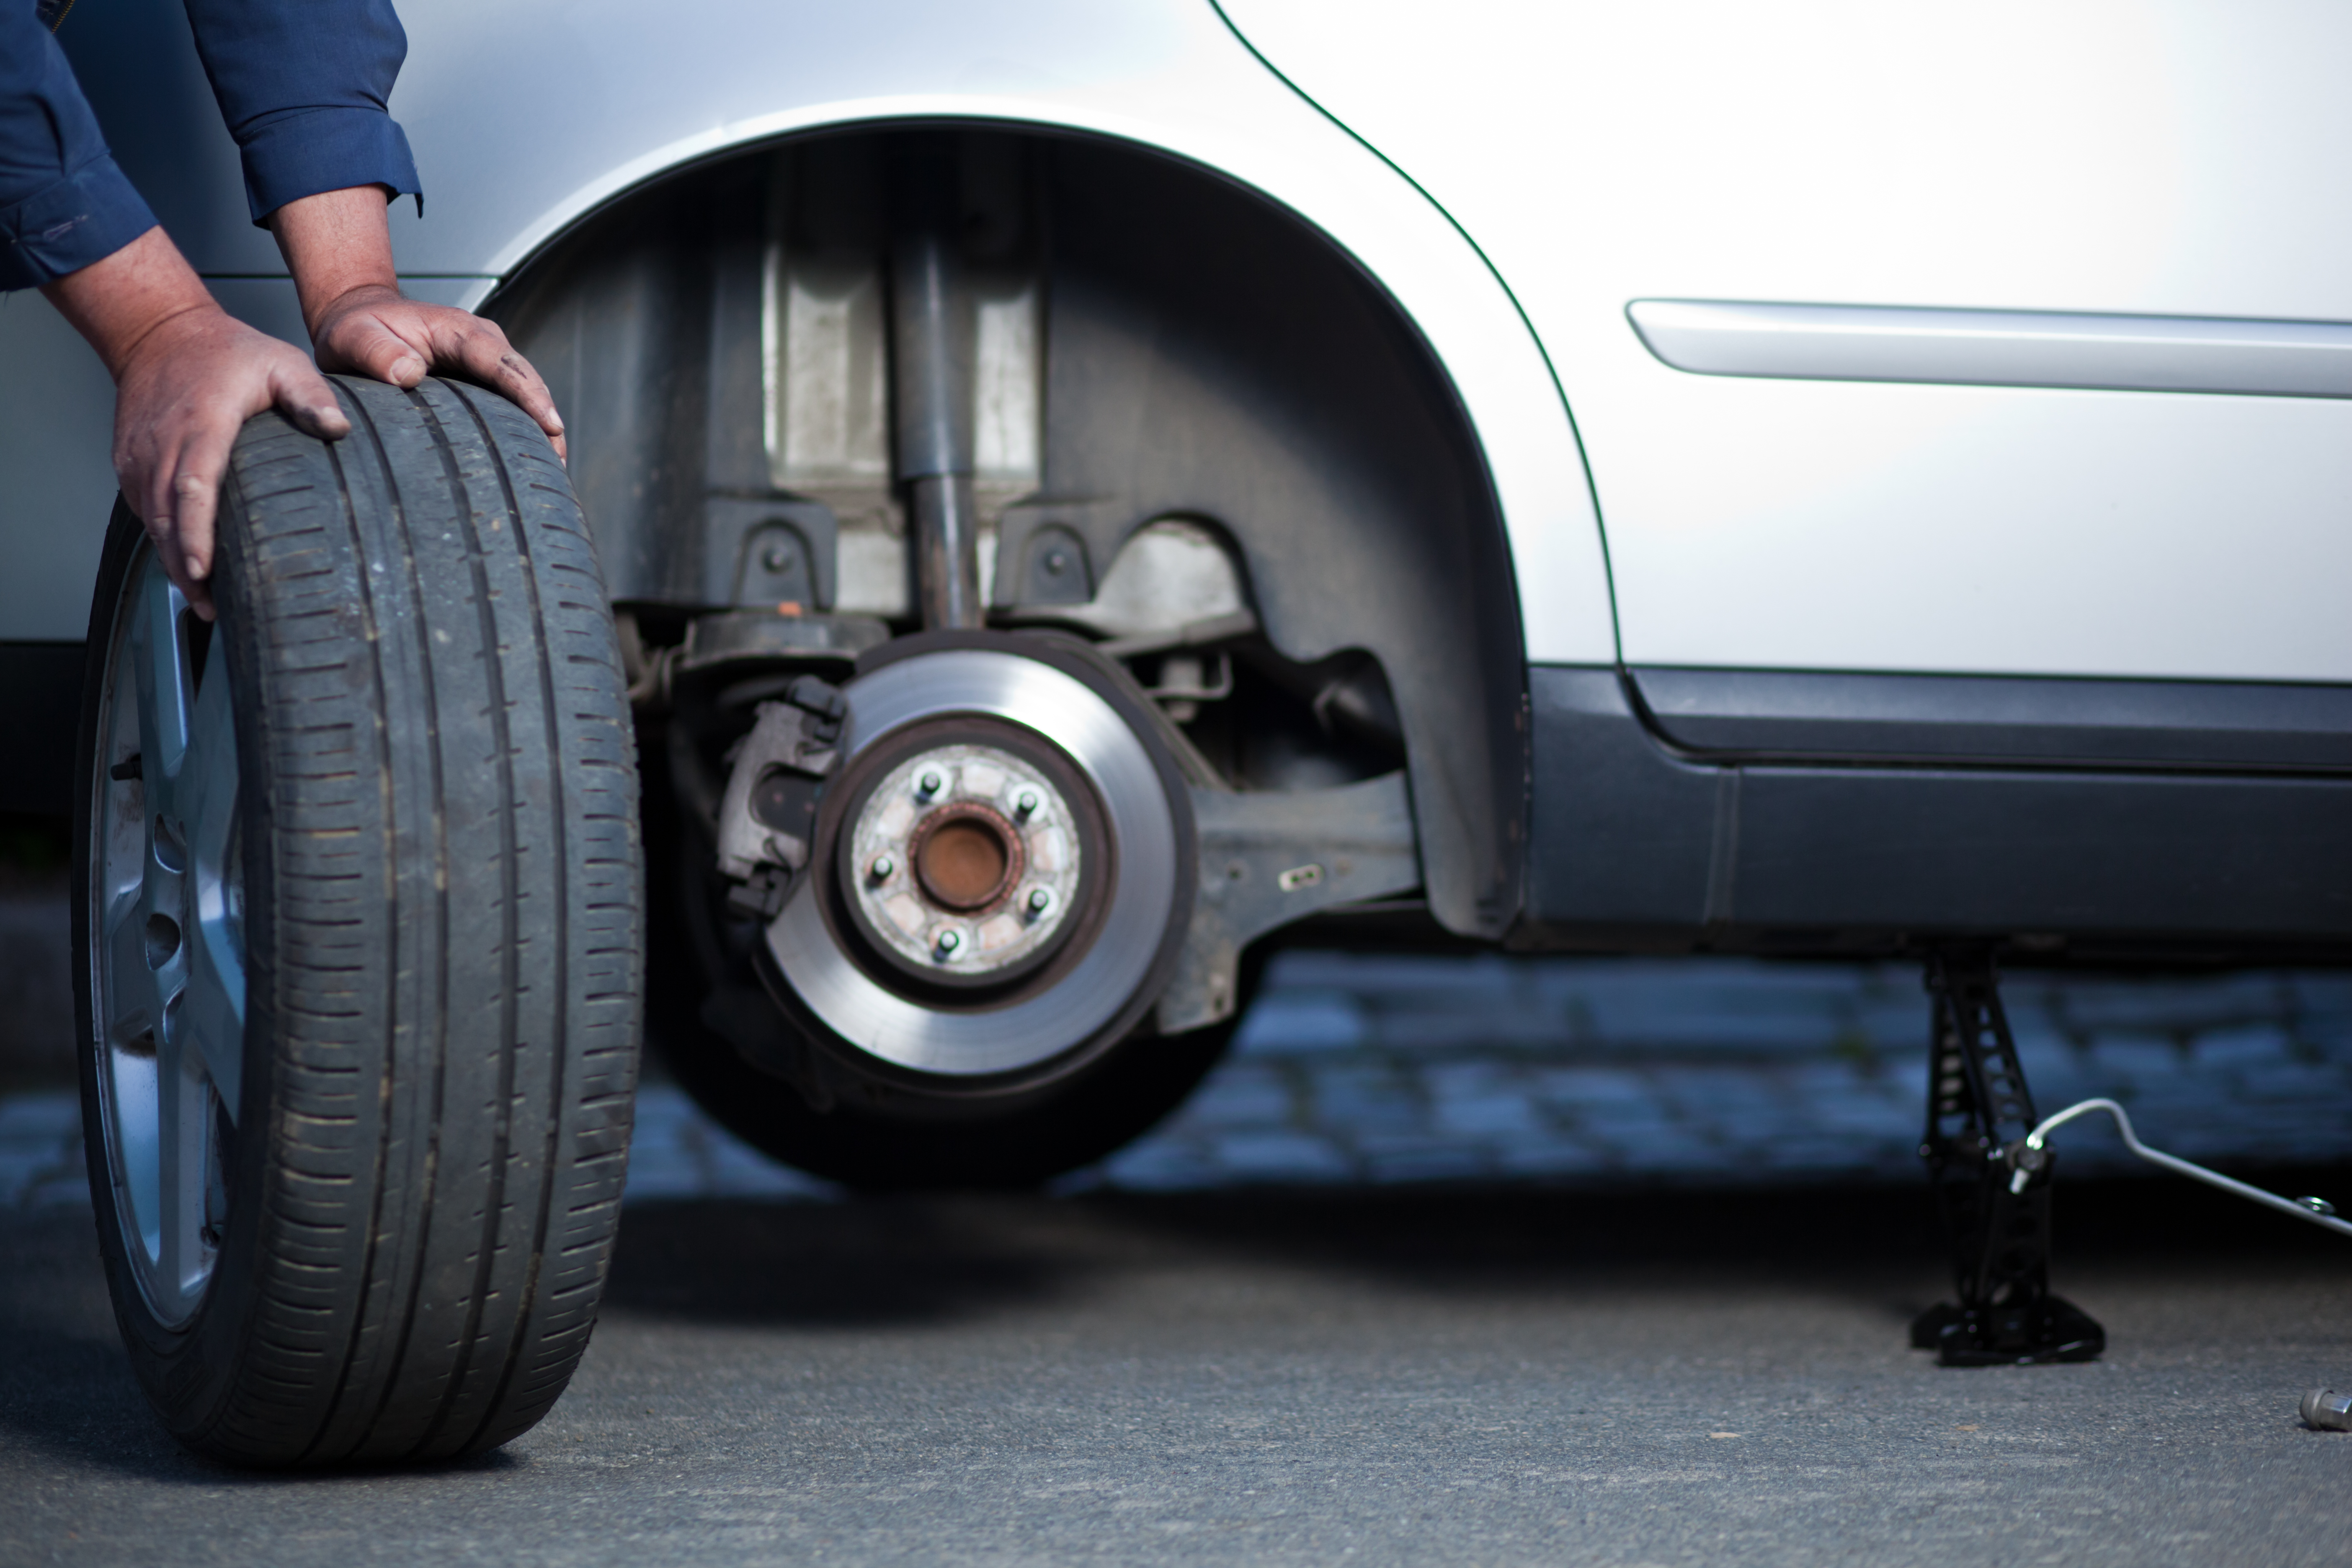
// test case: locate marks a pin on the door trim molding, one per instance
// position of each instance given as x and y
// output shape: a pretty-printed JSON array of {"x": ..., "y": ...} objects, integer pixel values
[{"x": 1999, "y": 348}]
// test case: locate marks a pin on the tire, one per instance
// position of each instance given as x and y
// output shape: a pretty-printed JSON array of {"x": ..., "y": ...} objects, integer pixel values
[{"x": 379, "y": 1207}]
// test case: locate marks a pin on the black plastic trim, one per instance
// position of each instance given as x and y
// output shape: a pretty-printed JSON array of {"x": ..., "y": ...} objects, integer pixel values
[
  {"x": 2001, "y": 720},
  {"x": 1629, "y": 838}
]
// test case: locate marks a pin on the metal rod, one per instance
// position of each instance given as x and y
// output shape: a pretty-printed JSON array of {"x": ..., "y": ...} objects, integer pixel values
[
  {"x": 931, "y": 386},
  {"x": 2173, "y": 1162},
  {"x": 947, "y": 551}
]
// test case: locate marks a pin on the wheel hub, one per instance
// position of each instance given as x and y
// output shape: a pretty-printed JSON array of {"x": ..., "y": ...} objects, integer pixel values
[{"x": 965, "y": 857}]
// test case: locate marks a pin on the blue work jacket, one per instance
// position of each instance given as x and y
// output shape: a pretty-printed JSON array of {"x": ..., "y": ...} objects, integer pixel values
[{"x": 301, "y": 83}]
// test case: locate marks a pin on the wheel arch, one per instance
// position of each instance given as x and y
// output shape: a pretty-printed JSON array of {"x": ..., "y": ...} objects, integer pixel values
[{"x": 1212, "y": 353}]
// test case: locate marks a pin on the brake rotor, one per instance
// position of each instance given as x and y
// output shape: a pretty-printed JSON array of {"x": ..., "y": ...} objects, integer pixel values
[{"x": 1003, "y": 866}]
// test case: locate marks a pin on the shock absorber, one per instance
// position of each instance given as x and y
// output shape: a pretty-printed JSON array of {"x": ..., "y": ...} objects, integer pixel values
[{"x": 931, "y": 350}]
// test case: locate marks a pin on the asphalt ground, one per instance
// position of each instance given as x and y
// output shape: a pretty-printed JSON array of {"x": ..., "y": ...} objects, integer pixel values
[{"x": 1422, "y": 1374}]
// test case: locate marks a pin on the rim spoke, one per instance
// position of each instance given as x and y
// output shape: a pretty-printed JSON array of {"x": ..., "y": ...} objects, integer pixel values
[
  {"x": 132, "y": 1006},
  {"x": 184, "y": 1110},
  {"x": 213, "y": 1006},
  {"x": 159, "y": 659}
]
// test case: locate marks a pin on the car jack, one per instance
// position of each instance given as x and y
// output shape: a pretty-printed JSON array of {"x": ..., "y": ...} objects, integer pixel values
[{"x": 1991, "y": 1179}]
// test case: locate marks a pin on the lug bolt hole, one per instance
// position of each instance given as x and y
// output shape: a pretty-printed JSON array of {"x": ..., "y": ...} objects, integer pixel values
[
  {"x": 171, "y": 845},
  {"x": 162, "y": 939}
]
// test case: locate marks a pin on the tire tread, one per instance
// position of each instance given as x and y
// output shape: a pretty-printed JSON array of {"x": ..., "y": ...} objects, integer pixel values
[{"x": 444, "y": 962}]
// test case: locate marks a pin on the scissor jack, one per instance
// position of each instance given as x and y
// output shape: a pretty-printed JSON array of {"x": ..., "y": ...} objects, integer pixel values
[{"x": 1992, "y": 1180}]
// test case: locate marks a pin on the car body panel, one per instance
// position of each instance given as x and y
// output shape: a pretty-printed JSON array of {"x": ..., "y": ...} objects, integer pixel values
[
  {"x": 527, "y": 116},
  {"x": 2175, "y": 160},
  {"x": 57, "y": 428}
]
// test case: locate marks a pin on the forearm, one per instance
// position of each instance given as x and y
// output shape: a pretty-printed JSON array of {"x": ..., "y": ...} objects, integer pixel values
[
  {"x": 120, "y": 303},
  {"x": 335, "y": 243}
]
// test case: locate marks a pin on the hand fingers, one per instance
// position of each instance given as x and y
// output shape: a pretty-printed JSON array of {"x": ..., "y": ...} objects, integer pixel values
[
  {"x": 193, "y": 505},
  {"x": 179, "y": 521},
  {"x": 199, "y": 594},
  {"x": 304, "y": 396},
  {"x": 490, "y": 358},
  {"x": 362, "y": 341}
]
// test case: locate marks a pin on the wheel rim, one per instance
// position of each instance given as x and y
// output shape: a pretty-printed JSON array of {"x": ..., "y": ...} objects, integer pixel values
[
  {"x": 166, "y": 910},
  {"x": 925, "y": 1036}
]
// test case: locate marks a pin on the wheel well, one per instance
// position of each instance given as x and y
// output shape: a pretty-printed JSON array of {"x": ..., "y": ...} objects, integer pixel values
[{"x": 1192, "y": 350}]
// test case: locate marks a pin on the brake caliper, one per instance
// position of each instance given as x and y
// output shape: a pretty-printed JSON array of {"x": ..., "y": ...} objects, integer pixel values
[{"x": 768, "y": 820}]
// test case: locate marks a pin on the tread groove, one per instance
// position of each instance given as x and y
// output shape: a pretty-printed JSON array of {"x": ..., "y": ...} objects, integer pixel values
[{"x": 559, "y": 861}]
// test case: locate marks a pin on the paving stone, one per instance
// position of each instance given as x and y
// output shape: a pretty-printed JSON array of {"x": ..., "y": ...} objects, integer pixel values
[
  {"x": 1243, "y": 1094},
  {"x": 1281, "y": 1156},
  {"x": 1300, "y": 1023},
  {"x": 1596, "y": 1087},
  {"x": 1434, "y": 1162},
  {"x": 2242, "y": 1045},
  {"x": 1379, "y": 1069},
  {"x": 33, "y": 1120},
  {"x": 1485, "y": 1115},
  {"x": 1357, "y": 1097},
  {"x": 677, "y": 1153},
  {"x": 1710, "y": 1092},
  {"x": 36, "y": 1025},
  {"x": 1156, "y": 1164},
  {"x": 2292, "y": 1081},
  {"x": 40, "y": 1151},
  {"x": 2132, "y": 1060}
]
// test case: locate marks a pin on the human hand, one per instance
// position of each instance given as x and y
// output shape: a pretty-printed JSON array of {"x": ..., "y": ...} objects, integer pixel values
[
  {"x": 187, "y": 377},
  {"x": 372, "y": 330},
  {"x": 338, "y": 245}
]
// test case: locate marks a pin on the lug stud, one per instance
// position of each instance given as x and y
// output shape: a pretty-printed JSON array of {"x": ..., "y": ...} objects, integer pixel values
[
  {"x": 950, "y": 942},
  {"x": 1027, "y": 803},
  {"x": 930, "y": 783},
  {"x": 881, "y": 869},
  {"x": 1040, "y": 900}
]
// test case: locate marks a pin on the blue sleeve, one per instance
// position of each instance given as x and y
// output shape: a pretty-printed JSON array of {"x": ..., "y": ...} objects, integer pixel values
[
  {"x": 303, "y": 85},
  {"x": 63, "y": 203}
]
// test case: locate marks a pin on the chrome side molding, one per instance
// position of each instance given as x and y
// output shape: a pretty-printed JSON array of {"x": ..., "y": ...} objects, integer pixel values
[{"x": 1999, "y": 348}]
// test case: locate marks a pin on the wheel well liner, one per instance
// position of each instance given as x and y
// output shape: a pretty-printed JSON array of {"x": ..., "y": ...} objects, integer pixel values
[{"x": 1206, "y": 353}]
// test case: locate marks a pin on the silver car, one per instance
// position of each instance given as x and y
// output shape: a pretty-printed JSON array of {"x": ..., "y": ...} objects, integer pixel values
[{"x": 1076, "y": 494}]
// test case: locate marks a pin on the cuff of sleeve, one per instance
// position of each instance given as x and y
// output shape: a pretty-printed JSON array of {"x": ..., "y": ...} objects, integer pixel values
[
  {"x": 301, "y": 154},
  {"x": 86, "y": 217}
]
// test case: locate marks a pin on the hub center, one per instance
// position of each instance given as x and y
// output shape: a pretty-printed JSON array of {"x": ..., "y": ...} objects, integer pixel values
[{"x": 966, "y": 856}]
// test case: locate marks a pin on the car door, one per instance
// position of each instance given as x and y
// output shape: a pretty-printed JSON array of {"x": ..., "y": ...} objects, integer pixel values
[{"x": 2176, "y": 168}]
